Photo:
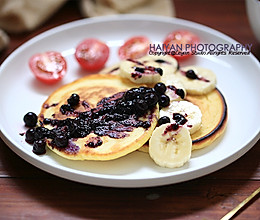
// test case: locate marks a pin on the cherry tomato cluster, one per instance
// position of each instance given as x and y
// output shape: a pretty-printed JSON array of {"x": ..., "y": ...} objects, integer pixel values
[{"x": 92, "y": 54}]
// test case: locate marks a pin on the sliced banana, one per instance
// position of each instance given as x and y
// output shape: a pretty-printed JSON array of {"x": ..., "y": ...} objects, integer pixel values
[
  {"x": 169, "y": 147},
  {"x": 190, "y": 115},
  {"x": 167, "y": 63},
  {"x": 139, "y": 72},
  {"x": 199, "y": 82}
]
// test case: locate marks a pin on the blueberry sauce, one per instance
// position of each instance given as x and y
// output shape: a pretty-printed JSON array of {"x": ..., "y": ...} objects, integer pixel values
[
  {"x": 139, "y": 71},
  {"x": 46, "y": 106},
  {"x": 85, "y": 104},
  {"x": 113, "y": 116},
  {"x": 72, "y": 148},
  {"x": 192, "y": 75},
  {"x": 179, "y": 121},
  {"x": 179, "y": 92},
  {"x": 94, "y": 142},
  {"x": 171, "y": 127}
]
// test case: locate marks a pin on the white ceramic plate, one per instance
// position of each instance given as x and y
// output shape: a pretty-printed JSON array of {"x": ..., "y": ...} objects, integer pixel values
[{"x": 238, "y": 80}]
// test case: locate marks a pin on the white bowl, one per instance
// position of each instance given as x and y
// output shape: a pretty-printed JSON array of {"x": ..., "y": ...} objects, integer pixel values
[{"x": 253, "y": 13}]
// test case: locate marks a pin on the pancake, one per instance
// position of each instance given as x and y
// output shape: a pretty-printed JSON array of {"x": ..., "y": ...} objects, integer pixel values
[
  {"x": 214, "y": 119},
  {"x": 91, "y": 90}
]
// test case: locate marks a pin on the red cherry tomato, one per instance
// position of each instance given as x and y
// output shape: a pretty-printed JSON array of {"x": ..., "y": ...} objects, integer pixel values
[
  {"x": 134, "y": 48},
  {"x": 181, "y": 37},
  {"x": 49, "y": 67},
  {"x": 92, "y": 54}
]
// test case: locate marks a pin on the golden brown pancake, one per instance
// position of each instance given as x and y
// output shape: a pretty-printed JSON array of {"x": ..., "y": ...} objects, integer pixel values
[
  {"x": 214, "y": 119},
  {"x": 91, "y": 90}
]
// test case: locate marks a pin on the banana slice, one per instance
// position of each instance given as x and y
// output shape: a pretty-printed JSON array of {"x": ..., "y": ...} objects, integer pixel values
[
  {"x": 170, "y": 147},
  {"x": 167, "y": 63},
  {"x": 197, "y": 80},
  {"x": 139, "y": 72},
  {"x": 184, "y": 113}
]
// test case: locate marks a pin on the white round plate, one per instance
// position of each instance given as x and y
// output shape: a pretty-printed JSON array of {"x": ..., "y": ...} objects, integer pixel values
[{"x": 238, "y": 80}]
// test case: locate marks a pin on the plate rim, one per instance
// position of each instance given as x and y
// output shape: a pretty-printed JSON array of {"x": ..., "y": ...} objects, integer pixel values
[{"x": 96, "y": 179}]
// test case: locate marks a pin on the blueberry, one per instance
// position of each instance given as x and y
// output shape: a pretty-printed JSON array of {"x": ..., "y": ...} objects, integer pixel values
[
  {"x": 96, "y": 114},
  {"x": 66, "y": 108},
  {"x": 159, "y": 70},
  {"x": 160, "y": 61},
  {"x": 151, "y": 99},
  {"x": 129, "y": 103},
  {"x": 46, "y": 121},
  {"x": 142, "y": 90},
  {"x": 61, "y": 123},
  {"x": 95, "y": 143},
  {"x": 148, "y": 90},
  {"x": 91, "y": 144},
  {"x": 163, "y": 120},
  {"x": 139, "y": 69},
  {"x": 30, "y": 119},
  {"x": 54, "y": 122},
  {"x": 160, "y": 88},
  {"x": 99, "y": 142},
  {"x": 124, "y": 107},
  {"x": 50, "y": 134},
  {"x": 29, "y": 135},
  {"x": 73, "y": 99},
  {"x": 141, "y": 105},
  {"x": 85, "y": 115},
  {"x": 146, "y": 124},
  {"x": 79, "y": 133},
  {"x": 61, "y": 141},
  {"x": 40, "y": 133},
  {"x": 180, "y": 93},
  {"x": 164, "y": 101},
  {"x": 179, "y": 118},
  {"x": 42, "y": 130},
  {"x": 174, "y": 127},
  {"x": 39, "y": 147},
  {"x": 119, "y": 117},
  {"x": 139, "y": 96},
  {"x": 135, "y": 90},
  {"x": 129, "y": 95},
  {"x": 191, "y": 74}
]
